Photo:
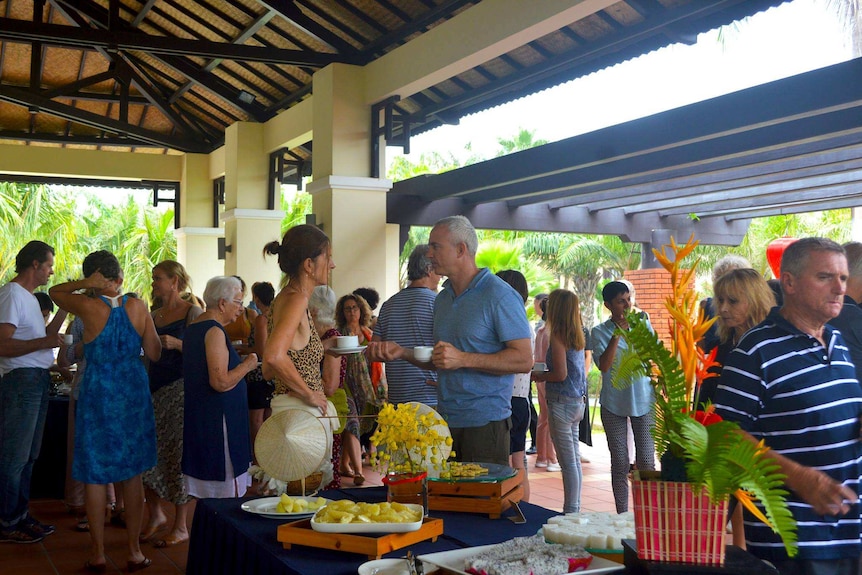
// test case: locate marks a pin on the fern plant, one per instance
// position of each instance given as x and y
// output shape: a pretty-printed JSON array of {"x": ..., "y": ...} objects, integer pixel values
[{"x": 716, "y": 456}]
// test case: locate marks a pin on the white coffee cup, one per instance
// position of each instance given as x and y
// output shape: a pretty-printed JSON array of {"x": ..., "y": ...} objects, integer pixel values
[
  {"x": 540, "y": 367},
  {"x": 423, "y": 352},
  {"x": 68, "y": 339},
  {"x": 347, "y": 341}
]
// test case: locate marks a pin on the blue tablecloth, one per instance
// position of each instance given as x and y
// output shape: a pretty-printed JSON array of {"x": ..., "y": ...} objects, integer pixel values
[{"x": 227, "y": 540}]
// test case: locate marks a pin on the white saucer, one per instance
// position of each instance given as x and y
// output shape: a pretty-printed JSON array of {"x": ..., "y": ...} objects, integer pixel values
[{"x": 348, "y": 350}]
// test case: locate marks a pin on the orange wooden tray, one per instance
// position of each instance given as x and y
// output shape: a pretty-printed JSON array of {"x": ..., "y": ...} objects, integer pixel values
[
  {"x": 490, "y": 497},
  {"x": 372, "y": 545}
]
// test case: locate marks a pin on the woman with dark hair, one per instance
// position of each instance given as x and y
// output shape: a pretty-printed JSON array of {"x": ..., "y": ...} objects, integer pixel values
[
  {"x": 115, "y": 429},
  {"x": 164, "y": 482},
  {"x": 293, "y": 349},
  {"x": 520, "y": 392},
  {"x": 259, "y": 389},
  {"x": 363, "y": 383}
]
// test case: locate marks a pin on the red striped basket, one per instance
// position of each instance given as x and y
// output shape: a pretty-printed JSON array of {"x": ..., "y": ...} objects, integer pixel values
[{"x": 675, "y": 525}]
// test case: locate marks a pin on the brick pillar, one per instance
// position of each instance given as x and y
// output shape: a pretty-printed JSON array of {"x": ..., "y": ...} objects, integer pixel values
[{"x": 652, "y": 288}]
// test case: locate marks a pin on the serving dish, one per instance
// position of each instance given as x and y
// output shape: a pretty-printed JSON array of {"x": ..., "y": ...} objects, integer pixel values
[
  {"x": 265, "y": 506},
  {"x": 454, "y": 561},
  {"x": 371, "y": 527}
]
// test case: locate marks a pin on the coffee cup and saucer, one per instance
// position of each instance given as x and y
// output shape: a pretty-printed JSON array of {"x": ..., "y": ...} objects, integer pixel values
[{"x": 346, "y": 344}]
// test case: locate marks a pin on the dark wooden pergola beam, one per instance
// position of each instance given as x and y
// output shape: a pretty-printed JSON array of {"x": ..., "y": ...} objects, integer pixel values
[
  {"x": 91, "y": 38},
  {"x": 42, "y": 104}
]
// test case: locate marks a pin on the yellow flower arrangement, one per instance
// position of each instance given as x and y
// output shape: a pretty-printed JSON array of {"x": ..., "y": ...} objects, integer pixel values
[{"x": 409, "y": 442}]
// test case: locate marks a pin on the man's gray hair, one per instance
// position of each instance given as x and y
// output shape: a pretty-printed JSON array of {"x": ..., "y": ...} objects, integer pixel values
[
  {"x": 853, "y": 250},
  {"x": 418, "y": 264},
  {"x": 461, "y": 230},
  {"x": 221, "y": 288},
  {"x": 728, "y": 263},
  {"x": 321, "y": 304},
  {"x": 795, "y": 257}
]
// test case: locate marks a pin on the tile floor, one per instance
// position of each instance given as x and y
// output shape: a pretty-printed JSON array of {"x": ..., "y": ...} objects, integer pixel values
[{"x": 65, "y": 551}]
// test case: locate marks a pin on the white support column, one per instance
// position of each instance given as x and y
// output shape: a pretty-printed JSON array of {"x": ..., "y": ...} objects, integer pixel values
[
  {"x": 197, "y": 240},
  {"x": 249, "y": 225},
  {"x": 246, "y": 232},
  {"x": 352, "y": 212}
]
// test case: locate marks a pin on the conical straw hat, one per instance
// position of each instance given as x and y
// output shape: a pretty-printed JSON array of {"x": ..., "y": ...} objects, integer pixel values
[{"x": 291, "y": 445}]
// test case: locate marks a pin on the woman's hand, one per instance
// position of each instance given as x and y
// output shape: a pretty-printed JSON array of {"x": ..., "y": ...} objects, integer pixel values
[
  {"x": 171, "y": 342},
  {"x": 318, "y": 400}
]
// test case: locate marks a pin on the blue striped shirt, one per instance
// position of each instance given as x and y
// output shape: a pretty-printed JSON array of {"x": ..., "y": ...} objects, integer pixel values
[
  {"x": 407, "y": 318},
  {"x": 782, "y": 385}
]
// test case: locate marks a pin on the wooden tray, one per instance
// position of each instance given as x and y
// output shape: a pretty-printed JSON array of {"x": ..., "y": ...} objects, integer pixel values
[
  {"x": 491, "y": 498},
  {"x": 374, "y": 546}
]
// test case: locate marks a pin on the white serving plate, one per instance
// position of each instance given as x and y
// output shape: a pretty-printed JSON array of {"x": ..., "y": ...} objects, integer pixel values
[
  {"x": 370, "y": 527},
  {"x": 454, "y": 561},
  {"x": 265, "y": 506},
  {"x": 384, "y": 567},
  {"x": 348, "y": 350}
]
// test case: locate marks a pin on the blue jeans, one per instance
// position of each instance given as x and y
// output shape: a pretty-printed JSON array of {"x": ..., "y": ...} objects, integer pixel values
[
  {"x": 23, "y": 408},
  {"x": 564, "y": 416}
]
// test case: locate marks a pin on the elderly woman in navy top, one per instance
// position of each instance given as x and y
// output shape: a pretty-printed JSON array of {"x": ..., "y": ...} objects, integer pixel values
[{"x": 216, "y": 444}]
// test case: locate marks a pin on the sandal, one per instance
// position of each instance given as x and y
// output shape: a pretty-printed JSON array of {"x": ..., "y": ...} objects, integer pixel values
[
  {"x": 358, "y": 479},
  {"x": 138, "y": 565},
  {"x": 150, "y": 533},
  {"x": 168, "y": 542},
  {"x": 95, "y": 567},
  {"x": 83, "y": 525}
]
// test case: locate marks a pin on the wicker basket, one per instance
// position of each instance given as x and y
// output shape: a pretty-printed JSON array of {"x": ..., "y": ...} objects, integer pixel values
[
  {"x": 675, "y": 525},
  {"x": 312, "y": 484}
]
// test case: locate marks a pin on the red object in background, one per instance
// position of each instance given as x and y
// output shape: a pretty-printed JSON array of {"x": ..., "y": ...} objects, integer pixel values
[{"x": 774, "y": 251}]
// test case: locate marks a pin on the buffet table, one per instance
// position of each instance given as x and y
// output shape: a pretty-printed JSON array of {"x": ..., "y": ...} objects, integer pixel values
[{"x": 227, "y": 540}]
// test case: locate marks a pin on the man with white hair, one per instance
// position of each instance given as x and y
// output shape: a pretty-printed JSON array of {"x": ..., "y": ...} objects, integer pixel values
[{"x": 482, "y": 339}]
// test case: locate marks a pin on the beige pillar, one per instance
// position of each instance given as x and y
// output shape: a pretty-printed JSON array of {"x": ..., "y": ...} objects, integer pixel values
[
  {"x": 352, "y": 212},
  {"x": 349, "y": 205},
  {"x": 249, "y": 225},
  {"x": 197, "y": 239}
]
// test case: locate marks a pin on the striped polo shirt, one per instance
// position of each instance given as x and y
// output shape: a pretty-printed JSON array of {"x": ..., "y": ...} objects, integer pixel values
[
  {"x": 407, "y": 318},
  {"x": 783, "y": 386}
]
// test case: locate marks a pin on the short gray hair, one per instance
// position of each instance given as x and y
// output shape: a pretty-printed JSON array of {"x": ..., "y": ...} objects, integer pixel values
[
  {"x": 728, "y": 263},
  {"x": 219, "y": 288},
  {"x": 418, "y": 265},
  {"x": 853, "y": 250},
  {"x": 321, "y": 304},
  {"x": 795, "y": 258},
  {"x": 461, "y": 230}
]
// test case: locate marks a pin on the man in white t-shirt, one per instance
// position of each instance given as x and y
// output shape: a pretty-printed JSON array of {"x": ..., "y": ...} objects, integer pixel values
[{"x": 25, "y": 356}]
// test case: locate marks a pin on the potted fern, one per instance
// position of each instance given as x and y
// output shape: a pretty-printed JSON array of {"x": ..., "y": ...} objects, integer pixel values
[{"x": 704, "y": 459}]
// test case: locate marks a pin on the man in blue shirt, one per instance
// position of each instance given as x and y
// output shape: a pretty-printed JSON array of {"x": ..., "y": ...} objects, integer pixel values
[
  {"x": 849, "y": 321},
  {"x": 482, "y": 339},
  {"x": 790, "y": 382}
]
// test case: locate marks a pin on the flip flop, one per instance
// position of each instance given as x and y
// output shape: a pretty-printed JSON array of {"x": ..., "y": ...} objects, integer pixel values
[
  {"x": 95, "y": 567},
  {"x": 147, "y": 535},
  {"x": 138, "y": 565},
  {"x": 168, "y": 542},
  {"x": 83, "y": 525}
]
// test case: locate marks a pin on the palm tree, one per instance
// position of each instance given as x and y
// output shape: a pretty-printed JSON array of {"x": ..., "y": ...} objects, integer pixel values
[
  {"x": 581, "y": 262},
  {"x": 523, "y": 140}
]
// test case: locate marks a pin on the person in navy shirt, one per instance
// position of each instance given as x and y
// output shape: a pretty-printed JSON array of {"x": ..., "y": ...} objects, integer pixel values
[{"x": 790, "y": 381}]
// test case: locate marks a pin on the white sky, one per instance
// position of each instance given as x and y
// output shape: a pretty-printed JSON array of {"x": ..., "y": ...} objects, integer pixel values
[{"x": 793, "y": 38}]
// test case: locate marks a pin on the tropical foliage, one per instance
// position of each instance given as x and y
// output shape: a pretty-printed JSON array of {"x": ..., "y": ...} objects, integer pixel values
[
  {"x": 715, "y": 455},
  {"x": 76, "y": 223}
]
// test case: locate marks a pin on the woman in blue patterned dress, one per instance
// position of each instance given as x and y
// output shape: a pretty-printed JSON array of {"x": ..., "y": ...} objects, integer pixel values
[{"x": 115, "y": 430}]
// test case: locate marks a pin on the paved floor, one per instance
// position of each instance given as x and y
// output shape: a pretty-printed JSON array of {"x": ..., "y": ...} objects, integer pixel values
[{"x": 65, "y": 551}]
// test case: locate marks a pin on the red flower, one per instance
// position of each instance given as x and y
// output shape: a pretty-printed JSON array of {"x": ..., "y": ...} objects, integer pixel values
[{"x": 707, "y": 416}]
